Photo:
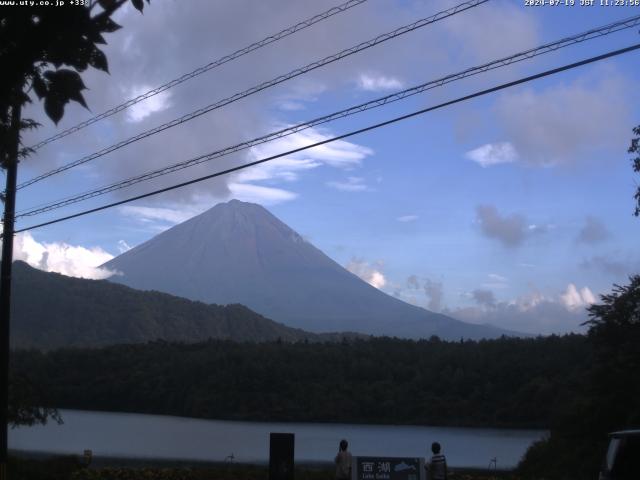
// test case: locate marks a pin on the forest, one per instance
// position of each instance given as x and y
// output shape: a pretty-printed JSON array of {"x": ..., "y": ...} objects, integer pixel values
[{"x": 497, "y": 383}]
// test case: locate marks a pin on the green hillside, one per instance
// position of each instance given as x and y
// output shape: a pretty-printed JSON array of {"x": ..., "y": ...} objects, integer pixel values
[{"x": 50, "y": 311}]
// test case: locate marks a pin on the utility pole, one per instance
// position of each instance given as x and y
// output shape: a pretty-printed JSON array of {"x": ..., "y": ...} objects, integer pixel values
[{"x": 11, "y": 158}]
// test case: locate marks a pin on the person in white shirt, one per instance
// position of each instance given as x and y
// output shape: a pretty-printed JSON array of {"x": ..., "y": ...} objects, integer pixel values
[{"x": 343, "y": 462}]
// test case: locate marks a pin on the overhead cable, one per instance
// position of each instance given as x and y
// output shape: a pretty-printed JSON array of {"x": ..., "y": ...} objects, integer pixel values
[
  {"x": 258, "y": 88},
  {"x": 200, "y": 70},
  {"x": 528, "y": 54},
  {"x": 343, "y": 136}
]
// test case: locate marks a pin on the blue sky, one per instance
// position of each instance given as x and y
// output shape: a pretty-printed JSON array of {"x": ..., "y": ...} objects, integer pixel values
[{"x": 514, "y": 208}]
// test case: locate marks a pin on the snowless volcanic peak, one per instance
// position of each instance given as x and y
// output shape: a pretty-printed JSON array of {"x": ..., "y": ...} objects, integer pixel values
[{"x": 238, "y": 252}]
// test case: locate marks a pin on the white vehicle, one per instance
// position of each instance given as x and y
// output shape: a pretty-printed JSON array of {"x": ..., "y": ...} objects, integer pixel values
[{"x": 622, "y": 461}]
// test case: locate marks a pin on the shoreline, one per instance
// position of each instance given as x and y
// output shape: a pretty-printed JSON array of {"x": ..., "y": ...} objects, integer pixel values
[
  {"x": 150, "y": 439},
  {"x": 107, "y": 461},
  {"x": 460, "y": 426}
]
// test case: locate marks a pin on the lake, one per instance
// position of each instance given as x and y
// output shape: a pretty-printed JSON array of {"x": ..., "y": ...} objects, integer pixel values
[{"x": 165, "y": 437}]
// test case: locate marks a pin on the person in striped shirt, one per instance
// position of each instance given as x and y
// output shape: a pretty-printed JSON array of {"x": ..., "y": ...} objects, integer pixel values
[{"x": 437, "y": 466}]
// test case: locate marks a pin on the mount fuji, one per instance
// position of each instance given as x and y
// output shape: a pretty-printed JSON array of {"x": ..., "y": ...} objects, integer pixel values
[{"x": 238, "y": 252}]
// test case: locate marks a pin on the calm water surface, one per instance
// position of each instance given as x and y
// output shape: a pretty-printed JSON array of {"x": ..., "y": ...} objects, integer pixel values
[{"x": 164, "y": 437}]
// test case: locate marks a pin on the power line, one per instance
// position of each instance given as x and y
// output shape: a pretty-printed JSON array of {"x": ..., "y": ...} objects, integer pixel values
[
  {"x": 343, "y": 136},
  {"x": 280, "y": 79},
  {"x": 528, "y": 54},
  {"x": 199, "y": 71}
]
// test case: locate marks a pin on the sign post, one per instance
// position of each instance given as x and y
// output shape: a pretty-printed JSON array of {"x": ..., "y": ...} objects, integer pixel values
[
  {"x": 387, "y": 468},
  {"x": 281, "y": 456}
]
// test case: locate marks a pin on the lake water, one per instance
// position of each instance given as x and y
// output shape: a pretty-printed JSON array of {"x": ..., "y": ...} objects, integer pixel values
[{"x": 164, "y": 437}]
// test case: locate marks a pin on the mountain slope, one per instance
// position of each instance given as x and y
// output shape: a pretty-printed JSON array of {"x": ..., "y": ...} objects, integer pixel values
[
  {"x": 50, "y": 310},
  {"x": 238, "y": 252}
]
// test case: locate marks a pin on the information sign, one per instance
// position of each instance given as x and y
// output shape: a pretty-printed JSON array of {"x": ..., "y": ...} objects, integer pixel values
[{"x": 387, "y": 468}]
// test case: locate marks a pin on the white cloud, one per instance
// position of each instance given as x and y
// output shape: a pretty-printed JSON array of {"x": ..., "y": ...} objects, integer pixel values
[
  {"x": 285, "y": 169},
  {"x": 574, "y": 300},
  {"x": 493, "y": 154},
  {"x": 376, "y": 279},
  {"x": 162, "y": 214},
  {"x": 378, "y": 83},
  {"x": 302, "y": 91},
  {"x": 351, "y": 184},
  {"x": 565, "y": 122},
  {"x": 259, "y": 194},
  {"x": 495, "y": 281},
  {"x": 533, "y": 312},
  {"x": 135, "y": 59},
  {"x": 159, "y": 219},
  {"x": 305, "y": 89},
  {"x": 370, "y": 273},
  {"x": 123, "y": 246},
  {"x": 339, "y": 154},
  {"x": 290, "y": 106},
  {"x": 407, "y": 218},
  {"x": 142, "y": 110},
  {"x": 60, "y": 257},
  {"x": 497, "y": 278},
  {"x": 531, "y": 300}
]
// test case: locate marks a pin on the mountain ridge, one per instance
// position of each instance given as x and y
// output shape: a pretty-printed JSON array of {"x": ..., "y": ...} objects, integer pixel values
[
  {"x": 239, "y": 252},
  {"x": 50, "y": 310}
]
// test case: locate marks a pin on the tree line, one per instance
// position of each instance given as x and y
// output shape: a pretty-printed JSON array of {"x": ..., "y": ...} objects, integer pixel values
[{"x": 507, "y": 382}]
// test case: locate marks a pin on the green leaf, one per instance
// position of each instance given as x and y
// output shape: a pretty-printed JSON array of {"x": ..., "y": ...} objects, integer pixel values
[
  {"x": 82, "y": 55},
  {"x": 54, "y": 108},
  {"x": 24, "y": 98},
  {"x": 96, "y": 37},
  {"x": 64, "y": 85},
  {"x": 106, "y": 4},
  {"x": 39, "y": 86},
  {"x": 138, "y": 4},
  {"x": 77, "y": 97},
  {"x": 98, "y": 60},
  {"x": 65, "y": 82},
  {"x": 104, "y": 23}
]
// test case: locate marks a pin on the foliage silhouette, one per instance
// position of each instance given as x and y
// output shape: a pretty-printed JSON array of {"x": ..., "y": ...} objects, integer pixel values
[
  {"x": 606, "y": 401},
  {"x": 43, "y": 51},
  {"x": 505, "y": 382}
]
